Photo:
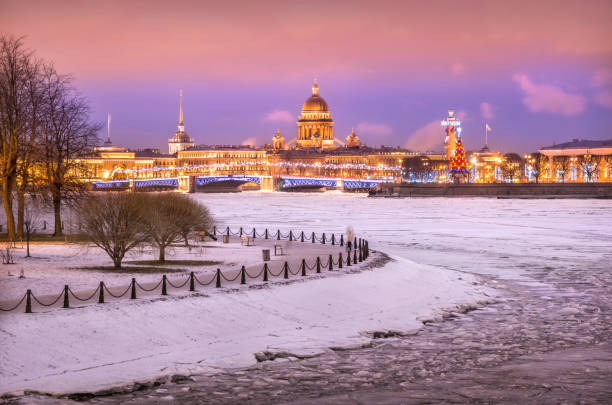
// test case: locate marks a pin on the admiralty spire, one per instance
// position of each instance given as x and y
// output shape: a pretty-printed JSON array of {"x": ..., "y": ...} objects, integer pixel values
[{"x": 180, "y": 140}]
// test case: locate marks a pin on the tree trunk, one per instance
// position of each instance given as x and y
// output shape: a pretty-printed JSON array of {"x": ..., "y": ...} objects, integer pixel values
[
  {"x": 28, "y": 245},
  {"x": 7, "y": 200},
  {"x": 162, "y": 253},
  {"x": 20, "y": 210},
  {"x": 117, "y": 262},
  {"x": 57, "y": 206}
]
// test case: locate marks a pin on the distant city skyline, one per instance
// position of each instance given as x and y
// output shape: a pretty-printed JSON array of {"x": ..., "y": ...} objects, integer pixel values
[{"x": 536, "y": 73}]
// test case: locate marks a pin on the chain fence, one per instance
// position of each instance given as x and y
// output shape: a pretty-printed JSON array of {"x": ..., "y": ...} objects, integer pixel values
[{"x": 359, "y": 253}]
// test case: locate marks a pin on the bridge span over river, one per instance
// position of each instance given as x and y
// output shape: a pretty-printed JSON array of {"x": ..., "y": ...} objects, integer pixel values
[{"x": 216, "y": 183}]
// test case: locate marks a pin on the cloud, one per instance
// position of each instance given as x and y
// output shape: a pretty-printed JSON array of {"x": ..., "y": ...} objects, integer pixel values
[
  {"x": 457, "y": 69},
  {"x": 602, "y": 77},
  {"x": 604, "y": 98},
  {"x": 429, "y": 137},
  {"x": 487, "y": 110},
  {"x": 547, "y": 98},
  {"x": 368, "y": 128},
  {"x": 252, "y": 141},
  {"x": 280, "y": 116}
]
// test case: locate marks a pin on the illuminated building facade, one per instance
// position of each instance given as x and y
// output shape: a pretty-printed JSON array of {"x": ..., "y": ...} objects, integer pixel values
[
  {"x": 315, "y": 124},
  {"x": 580, "y": 160}
]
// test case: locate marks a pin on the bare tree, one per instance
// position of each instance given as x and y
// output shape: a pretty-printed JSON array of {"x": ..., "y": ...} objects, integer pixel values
[
  {"x": 114, "y": 222},
  {"x": 31, "y": 222},
  {"x": 562, "y": 164},
  {"x": 511, "y": 166},
  {"x": 172, "y": 218},
  {"x": 417, "y": 168},
  {"x": 538, "y": 165},
  {"x": 66, "y": 135},
  {"x": 590, "y": 165},
  {"x": 14, "y": 71},
  {"x": 198, "y": 221}
]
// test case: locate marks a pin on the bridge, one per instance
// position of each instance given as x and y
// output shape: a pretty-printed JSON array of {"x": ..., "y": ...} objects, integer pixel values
[{"x": 232, "y": 182}]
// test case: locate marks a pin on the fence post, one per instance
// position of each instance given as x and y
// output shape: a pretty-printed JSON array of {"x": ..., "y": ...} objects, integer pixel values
[
  {"x": 286, "y": 270},
  {"x": 66, "y": 301},
  {"x": 333, "y": 239},
  {"x": 266, "y": 233},
  {"x": 240, "y": 231},
  {"x": 331, "y": 263},
  {"x": 360, "y": 255},
  {"x": 303, "y": 267},
  {"x": 348, "y": 258},
  {"x": 290, "y": 236},
  {"x": 214, "y": 230},
  {"x": 278, "y": 234},
  {"x": 29, "y": 301},
  {"x": 265, "y": 272},
  {"x": 228, "y": 232},
  {"x": 302, "y": 236},
  {"x": 218, "y": 285},
  {"x": 164, "y": 292},
  {"x": 313, "y": 237},
  {"x": 355, "y": 256},
  {"x": 191, "y": 282},
  {"x": 101, "y": 297},
  {"x": 355, "y": 242},
  {"x": 133, "y": 296},
  {"x": 323, "y": 239},
  {"x": 341, "y": 239},
  {"x": 254, "y": 234},
  {"x": 340, "y": 260},
  {"x": 242, "y": 275}
]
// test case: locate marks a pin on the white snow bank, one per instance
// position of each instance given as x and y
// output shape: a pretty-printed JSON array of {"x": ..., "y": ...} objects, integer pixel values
[{"x": 98, "y": 346}]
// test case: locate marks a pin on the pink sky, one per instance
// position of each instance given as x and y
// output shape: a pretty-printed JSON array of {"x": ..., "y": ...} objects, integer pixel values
[{"x": 549, "y": 47}]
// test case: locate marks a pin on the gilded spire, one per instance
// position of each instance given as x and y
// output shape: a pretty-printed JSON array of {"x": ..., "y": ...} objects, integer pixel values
[
  {"x": 315, "y": 88},
  {"x": 181, "y": 108}
]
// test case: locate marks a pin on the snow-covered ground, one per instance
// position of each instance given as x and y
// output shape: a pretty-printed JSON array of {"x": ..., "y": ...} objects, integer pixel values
[{"x": 431, "y": 240}]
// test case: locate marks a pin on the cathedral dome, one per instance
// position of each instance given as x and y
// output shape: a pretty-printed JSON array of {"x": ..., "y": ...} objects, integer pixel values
[{"x": 315, "y": 103}]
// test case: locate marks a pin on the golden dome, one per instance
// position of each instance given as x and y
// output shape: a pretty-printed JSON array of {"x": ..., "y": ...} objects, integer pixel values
[{"x": 315, "y": 103}]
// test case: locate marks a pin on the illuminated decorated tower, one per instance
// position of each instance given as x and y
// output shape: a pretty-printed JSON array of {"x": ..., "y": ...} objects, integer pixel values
[
  {"x": 452, "y": 127},
  {"x": 180, "y": 140},
  {"x": 315, "y": 124}
]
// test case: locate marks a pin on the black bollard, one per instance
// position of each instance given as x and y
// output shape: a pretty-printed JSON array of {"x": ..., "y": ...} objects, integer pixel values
[
  {"x": 340, "y": 260},
  {"x": 191, "y": 282},
  {"x": 265, "y": 272},
  {"x": 333, "y": 239},
  {"x": 290, "y": 236},
  {"x": 133, "y": 296},
  {"x": 29, "y": 302},
  {"x": 348, "y": 258},
  {"x": 218, "y": 285},
  {"x": 228, "y": 232},
  {"x": 323, "y": 238},
  {"x": 278, "y": 234},
  {"x": 66, "y": 301},
  {"x": 286, "y": 270},
  {"x": 355, "y": 256},
  {"x": 303, "y": 267},
  {"x": 318, "y": 264},
  {"x": 341, "y": 240},
  {"x": 302, "y": 236},
  {"x": 355, "y": 243},
  {"x": 214, "y": 230},
  {"x": 240, "y": 231},
  {"x": 360, "y": 256},
  {"x": 331, "y": 263},
  {"x": 164, "y": 292},
  {"x": 243, "y": 275},
  {"x": 101, "y": 297},
  {"x": 254, "y": 234},
  {"x": 313, "y": 237},
  {"x": 266, "y": 233}
]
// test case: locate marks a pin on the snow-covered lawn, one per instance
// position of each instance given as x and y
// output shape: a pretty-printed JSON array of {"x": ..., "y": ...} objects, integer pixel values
[{"x": 96, "y": 346}]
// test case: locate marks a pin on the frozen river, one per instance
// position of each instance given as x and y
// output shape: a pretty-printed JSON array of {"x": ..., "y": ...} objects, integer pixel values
[{"x": 546, "y": 338}]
